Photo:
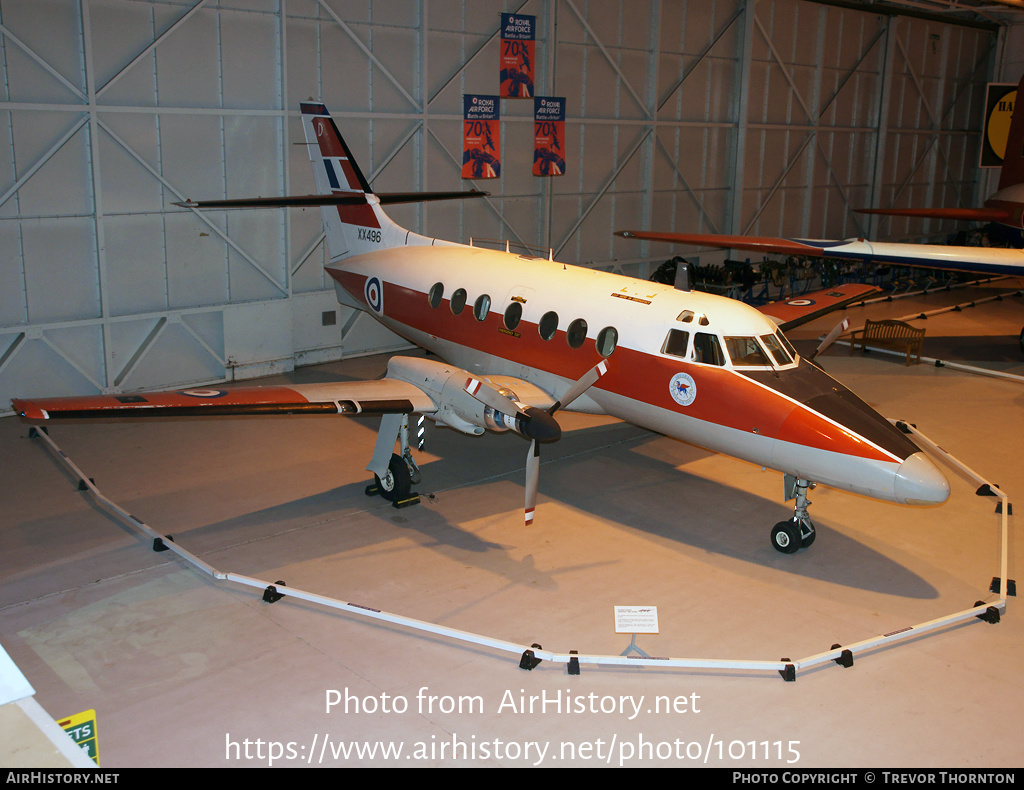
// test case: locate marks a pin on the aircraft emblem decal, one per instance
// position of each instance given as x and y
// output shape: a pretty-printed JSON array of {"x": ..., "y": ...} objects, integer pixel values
[
  {"x": 683, "y": 389},
  {"x": 374, "y": 295}
]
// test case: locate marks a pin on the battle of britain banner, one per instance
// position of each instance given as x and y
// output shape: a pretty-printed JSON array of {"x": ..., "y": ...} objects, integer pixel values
[
  {"x": 481, "y": 137},
  {"x": 548, "y": 136},
  {"x": 517, "y": 48}
]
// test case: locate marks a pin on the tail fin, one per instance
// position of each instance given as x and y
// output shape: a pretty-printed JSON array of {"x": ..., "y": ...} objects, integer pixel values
[
  {"x": 1013, "y": 159},
  {"x": 353, "y": 227}
]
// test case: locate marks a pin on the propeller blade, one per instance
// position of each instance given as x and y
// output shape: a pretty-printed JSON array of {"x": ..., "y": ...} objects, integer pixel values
[
  {"x": 830, "y": 338},
  {"x": 532, "y": 478},
  {"x": 586, "y": 382}
]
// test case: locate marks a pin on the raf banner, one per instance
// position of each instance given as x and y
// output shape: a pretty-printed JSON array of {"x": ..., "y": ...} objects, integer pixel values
[
  {"x": 517, "y": 49},
  {"x": 548, "y": 136},
  {"x": 481, "y": 138}
]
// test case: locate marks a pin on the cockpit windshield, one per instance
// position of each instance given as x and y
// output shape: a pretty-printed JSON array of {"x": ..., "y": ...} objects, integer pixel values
[
  {"x": 763, "y": 351},
  {"x": 746, "y": 352}
]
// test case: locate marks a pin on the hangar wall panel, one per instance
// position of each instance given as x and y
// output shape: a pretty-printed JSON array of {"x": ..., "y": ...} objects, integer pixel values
[{"x": 720, "y": 116}]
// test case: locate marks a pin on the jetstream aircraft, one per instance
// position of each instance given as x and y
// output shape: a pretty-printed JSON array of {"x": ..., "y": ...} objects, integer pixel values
[
  {"x": 1006, "y": 207},
  {"x": 524, "y": 336}
]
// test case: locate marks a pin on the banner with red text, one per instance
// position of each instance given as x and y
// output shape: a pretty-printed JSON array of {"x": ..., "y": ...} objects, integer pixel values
[
  {"x": 549, "y": 136},
  {"x": 518, "y": 34},
  {"x": 481, "y": 137}
]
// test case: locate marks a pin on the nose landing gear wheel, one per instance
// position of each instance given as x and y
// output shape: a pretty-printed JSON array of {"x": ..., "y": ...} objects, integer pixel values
[{"x": 786, "y": 537}]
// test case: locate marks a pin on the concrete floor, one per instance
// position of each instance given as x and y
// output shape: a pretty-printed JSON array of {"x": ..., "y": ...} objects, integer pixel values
[{"x": 183, "y": 671}]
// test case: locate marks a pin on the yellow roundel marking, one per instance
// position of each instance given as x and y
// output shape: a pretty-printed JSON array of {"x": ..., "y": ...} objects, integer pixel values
[{"x": 999, "y": 123}]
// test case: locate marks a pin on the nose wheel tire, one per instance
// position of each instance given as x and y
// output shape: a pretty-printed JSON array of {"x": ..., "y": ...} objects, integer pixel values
[
  {"x": 791, "y": 536},
  {"x": 786, "y": 537},
  {"x": 396, "y": 484}
]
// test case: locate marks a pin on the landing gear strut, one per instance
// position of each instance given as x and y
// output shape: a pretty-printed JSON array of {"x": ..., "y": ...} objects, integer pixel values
[
  {"x": 798, "y": 532},
  {"x": 394, "y": 474}
]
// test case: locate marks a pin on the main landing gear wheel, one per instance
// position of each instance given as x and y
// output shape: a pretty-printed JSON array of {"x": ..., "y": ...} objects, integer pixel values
[{"x": 397, "y": 483}]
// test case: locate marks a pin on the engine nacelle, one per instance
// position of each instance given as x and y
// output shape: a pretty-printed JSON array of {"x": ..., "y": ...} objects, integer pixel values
[{"x": 445, "y": 384}]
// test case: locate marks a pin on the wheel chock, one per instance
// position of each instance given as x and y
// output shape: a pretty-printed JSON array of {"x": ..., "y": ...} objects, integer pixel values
[
  {"x": 412, "y": 499},
  {"x": 271, "y": 594},
  {"x": 789, "y": 673},
  {"x": 82, "y": 485},
  {"x": 529, "y": 660},
  {"x": 845, "y": 659},
  {"x": 574, "y": 663}
]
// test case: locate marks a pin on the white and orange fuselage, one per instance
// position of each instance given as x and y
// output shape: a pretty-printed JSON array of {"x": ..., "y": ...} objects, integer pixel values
[{"x": 791, "y": 417}]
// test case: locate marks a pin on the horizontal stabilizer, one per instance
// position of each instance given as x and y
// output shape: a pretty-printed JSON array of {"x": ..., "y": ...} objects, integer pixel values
[{"x": 349, "y": 199}]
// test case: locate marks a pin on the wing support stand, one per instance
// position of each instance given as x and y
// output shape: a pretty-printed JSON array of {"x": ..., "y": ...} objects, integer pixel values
[{"x": 531, "y": 657}]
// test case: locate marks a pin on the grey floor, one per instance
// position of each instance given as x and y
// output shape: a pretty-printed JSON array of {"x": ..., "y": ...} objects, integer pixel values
[{"x": 184, "y": 671}]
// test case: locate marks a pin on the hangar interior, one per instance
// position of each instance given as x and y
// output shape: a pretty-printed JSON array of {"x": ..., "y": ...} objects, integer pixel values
[{"x": 776, "y": 117}]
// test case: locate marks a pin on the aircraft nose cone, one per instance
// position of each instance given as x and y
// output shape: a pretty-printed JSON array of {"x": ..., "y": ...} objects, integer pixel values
[{"x": 919, "y": 482}]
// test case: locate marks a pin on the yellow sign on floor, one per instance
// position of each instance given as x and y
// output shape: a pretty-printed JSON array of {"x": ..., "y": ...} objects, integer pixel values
[{"x": 82, "y": 729}]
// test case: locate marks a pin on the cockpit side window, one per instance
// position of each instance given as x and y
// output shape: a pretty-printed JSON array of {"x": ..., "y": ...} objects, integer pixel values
[
  {"x": 746, "y": 352},
  {"x": 676, "y": 343},
  {"x": 707, "y": 350}
]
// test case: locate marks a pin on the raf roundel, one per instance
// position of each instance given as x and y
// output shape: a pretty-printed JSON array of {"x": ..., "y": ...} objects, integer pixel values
[
  {"x": 203, "y": 393},
  {"x": 683, "y": 389},
  {"x": 374, "y": 294}
]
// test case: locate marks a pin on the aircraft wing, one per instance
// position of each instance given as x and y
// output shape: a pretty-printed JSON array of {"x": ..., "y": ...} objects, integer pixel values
[
  {"x": 790, "y": 313},
  {"x": 349, "y": 397},
  {"x": 985, "y": 260},
  {"x": 992, "y": 214}
]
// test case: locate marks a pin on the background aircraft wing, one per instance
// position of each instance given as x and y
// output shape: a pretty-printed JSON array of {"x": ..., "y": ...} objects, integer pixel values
[
  {"x": 985, "y": 260},
  {"x": 349, "y": 397},
  {"x": 966, "y": 214},
  {"x": 798, "y": 310}
]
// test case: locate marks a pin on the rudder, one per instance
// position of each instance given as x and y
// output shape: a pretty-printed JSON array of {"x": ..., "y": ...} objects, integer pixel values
[{"x": 360, "y": 224}]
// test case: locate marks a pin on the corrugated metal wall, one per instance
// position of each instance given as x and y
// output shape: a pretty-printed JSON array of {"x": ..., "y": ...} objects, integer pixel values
[{"x": 721, "y": 116}]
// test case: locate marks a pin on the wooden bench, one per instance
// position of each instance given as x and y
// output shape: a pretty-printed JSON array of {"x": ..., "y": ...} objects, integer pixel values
[{"x": 896, "y": 335}]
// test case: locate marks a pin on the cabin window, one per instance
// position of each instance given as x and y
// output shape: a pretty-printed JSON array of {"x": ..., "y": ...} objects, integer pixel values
[
  {"x": 482, "y": 307},
  {"x": 707, "y": 350},
  {"x": 607, "y": 339},
  {"x": 746, "y": 352},
  {"x": 458, "y": 302},
  {"x": 576, "y": 333},
  {"x": 775, "y": 348},
  {"x": 513, "y": 314},
  {"x": 676, "y": 343},
  {"x": 436, "y": 294},
  {"x": 548, "y": 325}
]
